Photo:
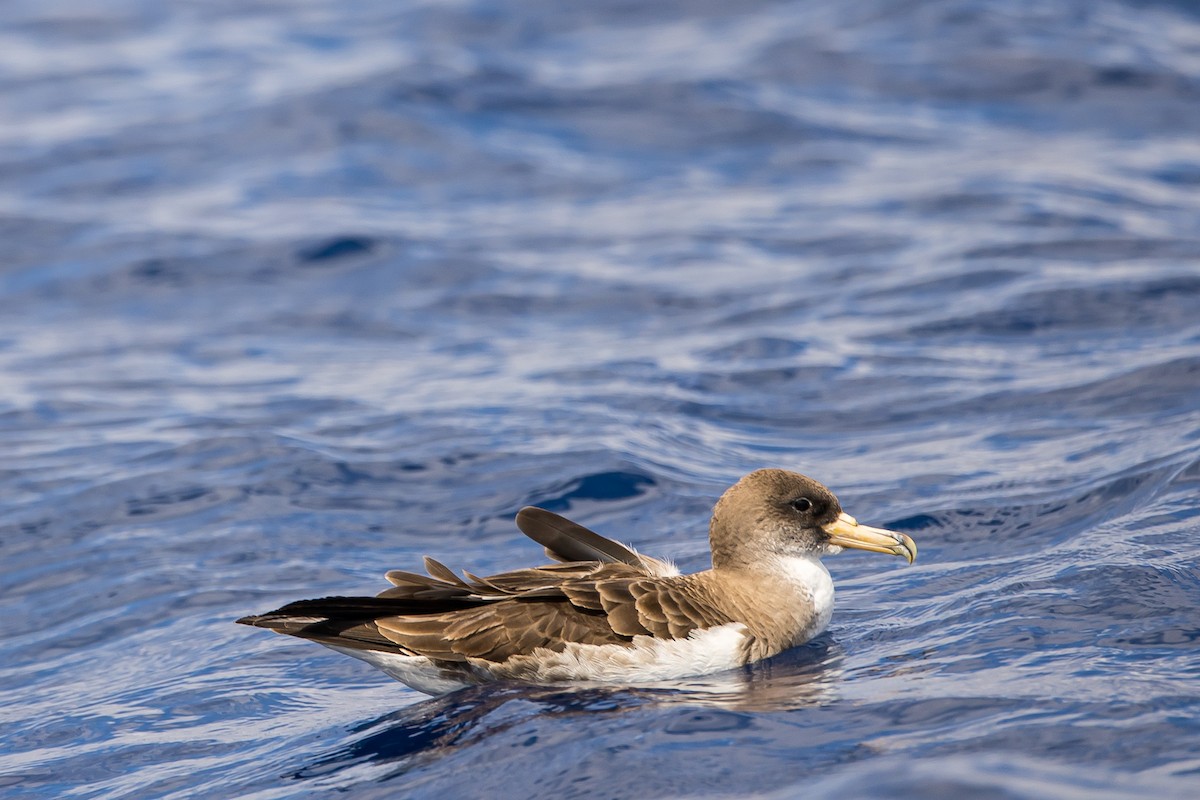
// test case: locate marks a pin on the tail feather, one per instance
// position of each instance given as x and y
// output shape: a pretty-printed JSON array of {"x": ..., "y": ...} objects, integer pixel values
[{"x": 342, "y": 621}]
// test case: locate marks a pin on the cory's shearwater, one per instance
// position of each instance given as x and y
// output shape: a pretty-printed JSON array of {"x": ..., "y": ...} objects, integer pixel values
[{"x": 607, "y": 613}]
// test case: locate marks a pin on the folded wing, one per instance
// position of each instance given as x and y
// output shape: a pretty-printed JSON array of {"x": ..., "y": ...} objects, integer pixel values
[{"x": 603, "y": 594}]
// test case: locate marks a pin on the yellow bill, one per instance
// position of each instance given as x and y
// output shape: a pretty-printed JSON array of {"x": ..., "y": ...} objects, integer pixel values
[{"x": 846, "y": 532}]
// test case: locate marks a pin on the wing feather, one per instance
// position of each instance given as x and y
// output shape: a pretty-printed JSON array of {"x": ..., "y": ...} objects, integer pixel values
[
  {"x": 603, "y": 593},
  {"x": 565, "y": 540}
]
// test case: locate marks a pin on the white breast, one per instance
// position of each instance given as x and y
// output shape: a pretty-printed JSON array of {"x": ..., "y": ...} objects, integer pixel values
[{"x": 811, "y": 576}]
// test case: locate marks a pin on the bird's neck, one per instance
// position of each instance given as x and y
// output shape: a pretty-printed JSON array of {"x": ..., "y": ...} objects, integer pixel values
[{"x": 782, "y": 599}]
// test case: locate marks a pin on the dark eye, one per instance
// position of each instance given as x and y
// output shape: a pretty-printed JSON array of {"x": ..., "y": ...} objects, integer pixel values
[{"x": 802, "y": 504}]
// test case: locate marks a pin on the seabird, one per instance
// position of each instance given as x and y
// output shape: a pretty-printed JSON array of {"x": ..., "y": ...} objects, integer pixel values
[{"x": 606, "y": 613}]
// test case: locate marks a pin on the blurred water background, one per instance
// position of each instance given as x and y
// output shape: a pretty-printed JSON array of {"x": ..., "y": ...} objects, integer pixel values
[{"x": 294, "y": 293}]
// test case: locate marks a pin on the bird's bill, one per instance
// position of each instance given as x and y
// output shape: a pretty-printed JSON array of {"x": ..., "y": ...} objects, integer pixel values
[{"x": 846, "y": 532}]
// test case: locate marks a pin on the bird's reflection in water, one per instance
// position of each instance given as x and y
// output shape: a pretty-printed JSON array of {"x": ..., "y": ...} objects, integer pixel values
[{"x": 802, "y": 677}]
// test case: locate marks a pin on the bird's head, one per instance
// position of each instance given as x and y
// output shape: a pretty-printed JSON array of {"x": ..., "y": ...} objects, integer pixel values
[{"x": 773, "y": 512}]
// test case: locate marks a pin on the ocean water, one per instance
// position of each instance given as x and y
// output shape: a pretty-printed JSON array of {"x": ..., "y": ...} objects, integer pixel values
[{"x": 294, "y": 293}]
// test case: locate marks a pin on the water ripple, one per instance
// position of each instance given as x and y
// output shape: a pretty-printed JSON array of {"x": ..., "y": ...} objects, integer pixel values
[{"x": 327, "y": 288}]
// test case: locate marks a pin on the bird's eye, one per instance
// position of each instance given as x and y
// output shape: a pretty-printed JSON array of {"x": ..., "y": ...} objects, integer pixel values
[{"x": 802, "y": 504}]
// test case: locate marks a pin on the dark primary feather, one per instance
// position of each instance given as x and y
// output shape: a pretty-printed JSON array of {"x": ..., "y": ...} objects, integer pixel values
[
  {"x": 565, "y": 540},
  {"x": 343, "y": 621}
]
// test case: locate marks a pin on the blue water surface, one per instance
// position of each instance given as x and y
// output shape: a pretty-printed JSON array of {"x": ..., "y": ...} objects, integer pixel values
[{"x": 295, "y": 293}]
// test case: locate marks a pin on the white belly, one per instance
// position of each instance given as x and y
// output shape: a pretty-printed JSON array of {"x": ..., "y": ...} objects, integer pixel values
[
  {"x": 417, "y": 671},
  {"x": 645, "y": 660}
]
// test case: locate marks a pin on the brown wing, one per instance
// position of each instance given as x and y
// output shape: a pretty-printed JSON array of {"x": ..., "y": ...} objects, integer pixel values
[
  {"x": 447, "y": 617},
  {"x": 511, "y": 613},
  {"x": 600, "y": 609},
  {"x": 609, "y": 598},
  {"x": 667, "y": 608},
  {"x": 499, "y": 630}
]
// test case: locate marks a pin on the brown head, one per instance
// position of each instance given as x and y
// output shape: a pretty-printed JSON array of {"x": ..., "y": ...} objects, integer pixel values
[{"x": 773, "y": 512}]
